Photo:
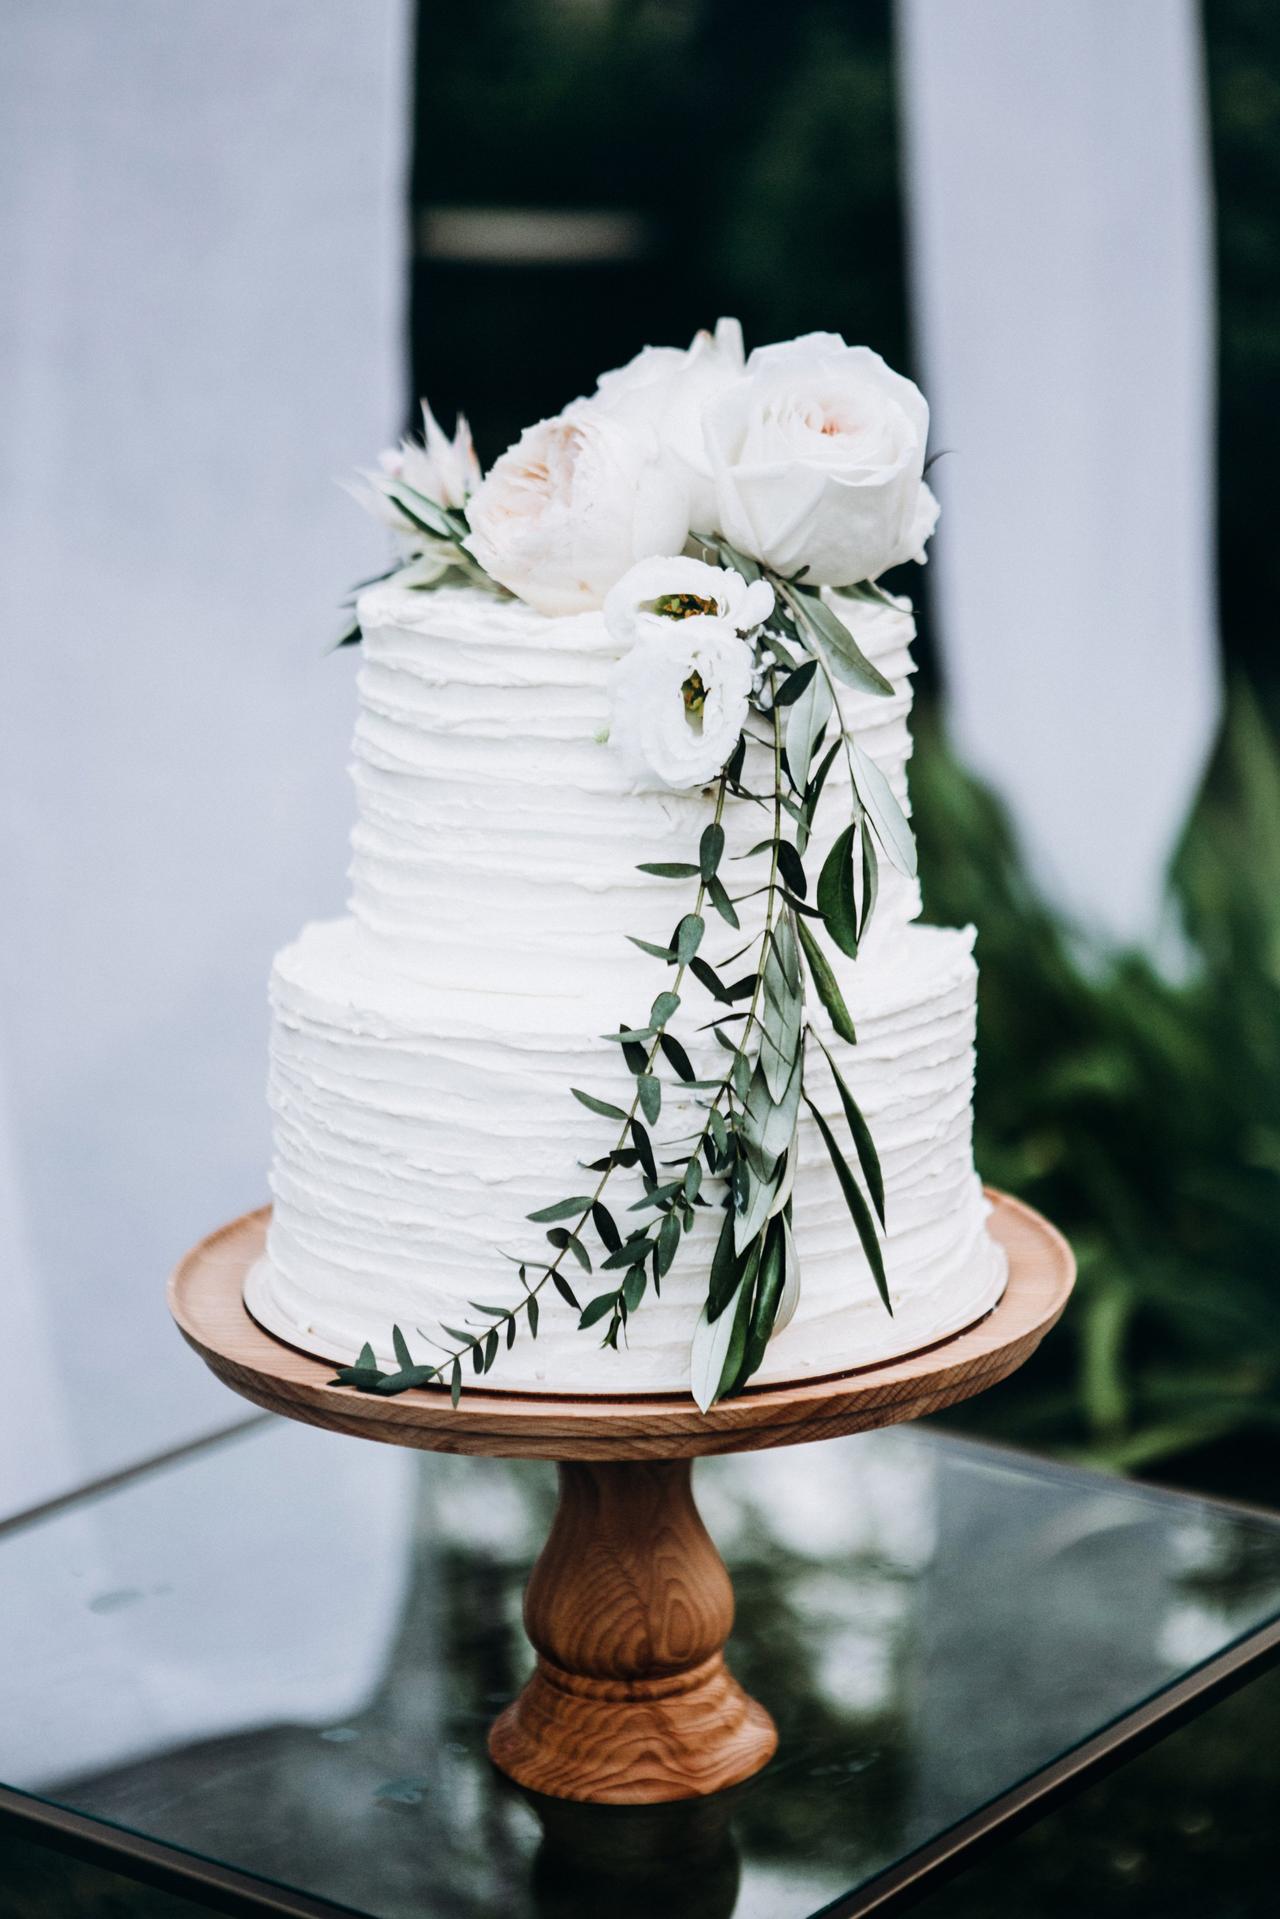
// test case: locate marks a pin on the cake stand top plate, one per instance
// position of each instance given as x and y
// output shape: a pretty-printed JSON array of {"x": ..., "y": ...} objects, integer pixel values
[{"x": 205, "y": 1298}]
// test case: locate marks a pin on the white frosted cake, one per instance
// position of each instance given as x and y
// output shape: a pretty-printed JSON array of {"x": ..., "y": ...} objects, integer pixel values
[{"x": 425, "y": 1048}]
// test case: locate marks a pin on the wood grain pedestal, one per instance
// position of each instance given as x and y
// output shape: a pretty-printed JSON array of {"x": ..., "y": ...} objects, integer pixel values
[{"x": 629, "y": 1604}]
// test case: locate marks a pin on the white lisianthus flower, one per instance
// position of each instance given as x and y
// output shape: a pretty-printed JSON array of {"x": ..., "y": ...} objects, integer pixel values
[
  {"x": 679, "y": 700},
  {"x": 680, "y": 693},
  {"x": 670, "y": 388},
  {"x": 818, "y": 456},
  {"x": 575, "y": 502},
  {"x": 655, "y": 592}
]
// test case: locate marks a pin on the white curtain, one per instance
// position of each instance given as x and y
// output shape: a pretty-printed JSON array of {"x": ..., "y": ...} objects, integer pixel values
[
  {"x": 1059, "y": 214},
  {"x": 201, "y": 331}
]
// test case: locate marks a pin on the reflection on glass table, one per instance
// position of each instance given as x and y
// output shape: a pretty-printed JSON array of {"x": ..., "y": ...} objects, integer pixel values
[{"x": 284, "y": 1651}]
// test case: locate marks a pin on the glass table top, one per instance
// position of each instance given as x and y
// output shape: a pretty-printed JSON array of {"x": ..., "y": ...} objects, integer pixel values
[{"x": 284, "y": 1651}]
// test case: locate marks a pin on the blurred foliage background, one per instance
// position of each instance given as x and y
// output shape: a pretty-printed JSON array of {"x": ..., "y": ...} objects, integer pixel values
[{"x": 751, "y": 157}]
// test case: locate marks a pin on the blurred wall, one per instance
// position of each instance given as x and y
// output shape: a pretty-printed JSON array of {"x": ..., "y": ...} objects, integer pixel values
[{"x": 200, "y": 330}]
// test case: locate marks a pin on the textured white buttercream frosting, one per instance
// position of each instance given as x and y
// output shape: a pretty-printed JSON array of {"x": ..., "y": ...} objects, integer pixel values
[{"x": 423, "y": 1049}]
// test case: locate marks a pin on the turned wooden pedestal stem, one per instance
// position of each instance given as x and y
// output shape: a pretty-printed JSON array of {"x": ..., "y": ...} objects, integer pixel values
[{"x": 628, "y": 1609}]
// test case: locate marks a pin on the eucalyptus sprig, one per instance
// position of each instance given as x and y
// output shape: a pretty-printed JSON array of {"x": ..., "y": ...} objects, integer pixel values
[{"x": 439, "y": 557}]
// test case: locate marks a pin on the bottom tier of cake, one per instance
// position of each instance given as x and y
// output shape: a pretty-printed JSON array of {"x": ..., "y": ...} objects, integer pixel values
[{"x": 417, "y": 1128}]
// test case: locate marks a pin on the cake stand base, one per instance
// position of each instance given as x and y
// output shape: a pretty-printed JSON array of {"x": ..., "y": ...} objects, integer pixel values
[
  {"x": 629, "y": 1604},
  {"x": 628, "y": 1608}
]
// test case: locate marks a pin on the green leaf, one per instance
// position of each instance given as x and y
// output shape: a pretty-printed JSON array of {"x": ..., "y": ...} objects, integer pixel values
[
  {"x": 662, "y": 1009},
  {"x": 837, "y": 901},
  {"x": 490, "y": 1349},
  {"x": 655, "y": 952},
  {"x": 710, "y": 849},
  {"x": 563, "y": 1209},
  {"x": 676, "y": 1056},
  {"x": 870, "y": 882},
  {"x": 644, "y": 1148},
  {"x": 723, "y": 904},
  {"x": 689, "y": 936},
  {"x": 405, "y": 1380},
  {"x": 845, "y": 656},
  {"x": 633, "y": 1288},
  {"x": 400, "y": 1347},
  {"x": 595, "y": 1309},
  {"x": 455, "y": 1384},
  {"x": 884, "y": 812},
  {"x": 531, "y": 1308},
  {"x": 859, "y": 1211},
  {"x": 791, "y": 868},
  {"x": 594, "y": 1105},
  {"x": 825, "y": 981},
  {"x": 668, "y": 1242},
  {"x": 649, "y": 1088},
  {"x": 795, "y": 684},
  {"x": 633, "y": 1252},
  {"x": 565, "y": 1290},
  {"x": 567, "y": 1242},
  {"x": 805, "y": 722},
  {"x": 716, "y": 1354},
  {"x": 769, "y": 1126},
  {"x": 630, "y": 1035},
  {"x": 766, "y": 1300},
  {"x": 692, "y": 1180},
  {"x": 669, "y": 869},
  {"x": 860, "y": 1132},
  {"x": 603, "y": 1221},
  {"x": 708, "y": 977},
  {"x": 780, "y": 1039},
  {"x": 511, "y": 1333}
]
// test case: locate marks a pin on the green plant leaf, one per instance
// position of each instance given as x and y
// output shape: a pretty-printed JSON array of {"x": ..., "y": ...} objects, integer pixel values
[
  {"x": 837, "y": 900},
  {"x": 562, "y": 1209},
  {"x": 531, "y": 1309},
  {"x": 595, "y": 1310},
  {"x": 603, "y": 1221},
  {"x": 723, "y": 904},
  {"x": 567, "y": 1242},
  {"x": 633, "y": 1288},
  {"x": 792, "y": 868},
  {"x": 400, "y": 1346},
  {"x": 708, "y": 977},
  {"x": 654, "y": 951},
  {"x": 870, "y": 883},
  {"x": 630, "y": 1036},
  {"x": 649, "y": 1088},
  {"x": 825, "y": 982},
  {"x": 689, "y": 936},
  {"x": 795, "y": 684},
  {"x": 845, "y": 657},
  {"x": 860, "y": 1132},
  {"x": 455, "y": 1384},
  {"x": 765, "y": 1301},
  {"x": 710, "y": 849},
  {"x": 805, "y": 721},
  {"x": 859, "y": 1211},
  {"x": 716, "y": 1352},
  {"x": 668, "y": 869},
  {"x": 644, "y": 1148},
  {"x": 594, "y": 1105},
  {"x": 676, "y": 1056},
  {"x": 884, "y": 812},
  {"x": 668, "y": 1241},
  {"x": 565, "y": 1290},
  {"x": 662, "y": 1009}
]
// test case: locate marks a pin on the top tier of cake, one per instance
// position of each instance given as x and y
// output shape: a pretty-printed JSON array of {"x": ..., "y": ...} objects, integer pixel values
[{"x": 498, "y": 836}]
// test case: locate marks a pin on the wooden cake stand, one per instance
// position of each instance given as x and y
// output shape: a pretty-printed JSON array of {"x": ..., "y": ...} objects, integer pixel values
[{"x": 629, "y": 1604}]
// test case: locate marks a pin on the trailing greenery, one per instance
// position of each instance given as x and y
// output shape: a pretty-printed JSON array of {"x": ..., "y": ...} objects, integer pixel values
[
  {"x": 746, "y": 1136},
  {"x": 1139, "y": 1107}
]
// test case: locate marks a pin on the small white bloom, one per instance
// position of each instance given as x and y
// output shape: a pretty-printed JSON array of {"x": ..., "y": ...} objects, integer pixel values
[
  {"x": 574, "y": 503},
  {"x": 657, "y": 591},
  {"x": 818, "y": 455},
  {"x": 442, "y": 469},
  {"x": 679, "y": 700},
  {"x": 669, "y": 388}
]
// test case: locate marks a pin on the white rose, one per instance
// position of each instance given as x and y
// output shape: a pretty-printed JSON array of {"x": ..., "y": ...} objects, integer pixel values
[
  {"x": 670, "y": 388},
  {"x": 574, "y": 503},
  {"x": 655, "y": 592},
  {"x": 818, "y": 455}
]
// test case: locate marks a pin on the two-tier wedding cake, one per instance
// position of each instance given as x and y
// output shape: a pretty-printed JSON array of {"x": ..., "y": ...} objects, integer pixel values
[{"x": 631, "y": 1069}]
